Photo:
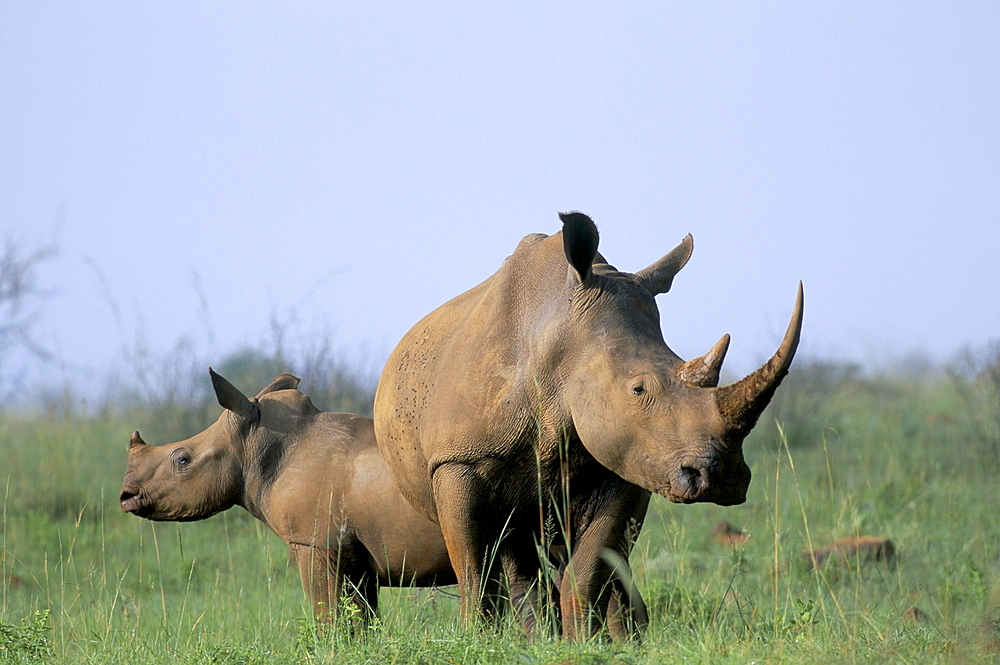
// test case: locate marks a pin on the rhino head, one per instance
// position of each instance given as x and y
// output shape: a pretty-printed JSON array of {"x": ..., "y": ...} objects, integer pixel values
[
  {"x": 641, "y": 411},
  {"x": 210, "y": 472}
]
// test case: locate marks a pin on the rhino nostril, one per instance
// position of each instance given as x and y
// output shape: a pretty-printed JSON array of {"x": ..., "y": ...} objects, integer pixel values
[{"x": 694, "y": 478}]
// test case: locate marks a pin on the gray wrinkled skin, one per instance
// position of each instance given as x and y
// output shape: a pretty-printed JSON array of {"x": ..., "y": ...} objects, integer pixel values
[{"x": 546, "y": 395}]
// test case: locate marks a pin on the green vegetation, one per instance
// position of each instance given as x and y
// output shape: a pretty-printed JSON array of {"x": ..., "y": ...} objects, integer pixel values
[{"x": 915, "y": 460}]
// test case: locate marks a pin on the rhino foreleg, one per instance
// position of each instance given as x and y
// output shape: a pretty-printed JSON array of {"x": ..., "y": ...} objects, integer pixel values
[
  {"x": 627, "y": 614},
  {"x": 318, "y": 579},
  {"x": 596, "y": 590},
  {"x": 530, "y": 595},
  {"x": 472, "y": 536},
  {"x": 328, "y": 576}
]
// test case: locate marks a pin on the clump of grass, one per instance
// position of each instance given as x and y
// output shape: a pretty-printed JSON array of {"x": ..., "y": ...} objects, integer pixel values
[{"x": 28, "y": 642}]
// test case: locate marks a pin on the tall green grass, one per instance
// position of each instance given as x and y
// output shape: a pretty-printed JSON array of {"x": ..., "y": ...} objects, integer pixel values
[{"x": 902, "y": 459}]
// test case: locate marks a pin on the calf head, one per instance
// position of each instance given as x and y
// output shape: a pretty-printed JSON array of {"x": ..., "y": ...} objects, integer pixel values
[
  {"x": 641, "y": 411},
  {"x": 208, "y": 473}
]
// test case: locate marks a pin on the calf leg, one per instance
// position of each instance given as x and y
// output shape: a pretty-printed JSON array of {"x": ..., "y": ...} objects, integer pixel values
[
  {"x": 597, "y": 592},
  {"x": 585, "y": 591},
  {"x": 627, "y": 614},
  {"x": 319, "y": 579},
  {"x": 329, "y": 575}
]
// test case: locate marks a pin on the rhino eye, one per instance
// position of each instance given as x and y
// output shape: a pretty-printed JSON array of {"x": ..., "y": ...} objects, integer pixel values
[
  {"x": 182, "y": 460},
  {"x": 638, "y": 390}
]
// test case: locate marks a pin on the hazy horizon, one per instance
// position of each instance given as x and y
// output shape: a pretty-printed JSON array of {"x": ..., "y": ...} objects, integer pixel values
[{"x": 204, "y": 169}]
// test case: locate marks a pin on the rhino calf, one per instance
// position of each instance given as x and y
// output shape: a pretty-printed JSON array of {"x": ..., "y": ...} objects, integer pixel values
[{"x": 315, "y": 478}]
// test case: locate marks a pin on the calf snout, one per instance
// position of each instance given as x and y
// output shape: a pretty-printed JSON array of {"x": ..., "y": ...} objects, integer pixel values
[
  {"x": 711, "y": 480},
  {"x": 129, "y": 499}
]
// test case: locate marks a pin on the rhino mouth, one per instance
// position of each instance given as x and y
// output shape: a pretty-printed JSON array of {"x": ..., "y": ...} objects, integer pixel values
[
  {"x": 732, "y": 497},
  {"x": 667, "y": 493},
  {"x": 722, "y": 493},
  {"x": 134, "y": 502},
  {"x": 673, "y": 497}
]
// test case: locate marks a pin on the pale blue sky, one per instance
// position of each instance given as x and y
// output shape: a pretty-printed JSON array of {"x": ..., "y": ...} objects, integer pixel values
[{"x": 361, "y": 163}]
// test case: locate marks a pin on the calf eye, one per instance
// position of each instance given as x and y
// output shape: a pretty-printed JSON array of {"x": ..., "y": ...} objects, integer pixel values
[
  {"x": 638, "y": 390},
  {"x": 182, "y": 460}
]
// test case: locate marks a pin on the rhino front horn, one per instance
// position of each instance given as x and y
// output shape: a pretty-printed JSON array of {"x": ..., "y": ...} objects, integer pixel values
[
  {"x": 135, "y": 440},
  {"x": 742, "y": 402}
]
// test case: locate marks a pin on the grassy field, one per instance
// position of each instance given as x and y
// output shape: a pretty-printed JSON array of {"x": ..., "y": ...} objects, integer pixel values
[{"x": 915, "y": 461}]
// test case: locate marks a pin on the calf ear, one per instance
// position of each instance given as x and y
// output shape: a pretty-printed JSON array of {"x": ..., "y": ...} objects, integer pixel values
[
  {"x": 283, "y": 382},
  {"x": 579, "y": 242},
  {"x": 231, "y": 398},
  {"x": 659, "y": 276}
]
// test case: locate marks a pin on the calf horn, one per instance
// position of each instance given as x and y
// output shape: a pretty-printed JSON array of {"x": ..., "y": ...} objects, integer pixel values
[
  {"x": 135, "y": 441},
  {"x": 742, "y": 402}
]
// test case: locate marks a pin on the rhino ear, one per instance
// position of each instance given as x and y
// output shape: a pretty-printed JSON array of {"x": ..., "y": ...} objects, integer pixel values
[
  {"x": 231, "y": 398},
  {"x": 579, "y": 242},
  {"x": 658, "y": 277},
  {"x": 284, "y": 382}
]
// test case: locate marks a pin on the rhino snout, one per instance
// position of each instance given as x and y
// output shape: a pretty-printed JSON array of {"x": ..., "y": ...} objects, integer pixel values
[
  {"x": 693, "y": 480},
  {"x": 130, "y": 499},
  {"x": 708, "y": 480}
]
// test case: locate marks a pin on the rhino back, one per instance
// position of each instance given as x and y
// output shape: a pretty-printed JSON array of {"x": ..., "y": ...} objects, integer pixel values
[{"x": 464, "y": 383}]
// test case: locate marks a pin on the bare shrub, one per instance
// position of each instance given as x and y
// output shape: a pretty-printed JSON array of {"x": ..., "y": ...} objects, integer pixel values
[
  {"x": 976, "y": 378},
  {"x": 172, "y": 394},
  {"x": 19, "y": 294}
]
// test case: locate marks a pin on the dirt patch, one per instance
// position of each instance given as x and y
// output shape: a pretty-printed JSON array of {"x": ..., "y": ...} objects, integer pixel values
[
  {"x": 865, "y": 549},
  {"x": 726, "y": 534}
]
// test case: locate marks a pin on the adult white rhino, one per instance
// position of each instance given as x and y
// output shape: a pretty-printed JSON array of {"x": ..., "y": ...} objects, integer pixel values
[{"x": 547, "y": 395}]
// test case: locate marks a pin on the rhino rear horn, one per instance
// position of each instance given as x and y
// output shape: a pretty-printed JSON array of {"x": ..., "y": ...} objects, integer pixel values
[
  {"x": 658, "y": 277},
  {"x": 704, "y": 372},
  {"x": 231, "y": 398},
  {"x": 580, "y": 240},
  {"x": 742, "y": 403},
  {"x": 135, "y": 441}
]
